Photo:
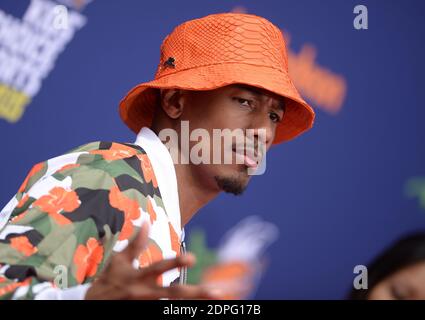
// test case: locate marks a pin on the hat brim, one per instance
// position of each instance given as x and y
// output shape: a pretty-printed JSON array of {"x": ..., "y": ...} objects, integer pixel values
[{"x": 137, "y": 107}]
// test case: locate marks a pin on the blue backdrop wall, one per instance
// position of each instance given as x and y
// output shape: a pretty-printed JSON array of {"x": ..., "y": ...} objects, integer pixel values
[{"x": 337, "y": 193}]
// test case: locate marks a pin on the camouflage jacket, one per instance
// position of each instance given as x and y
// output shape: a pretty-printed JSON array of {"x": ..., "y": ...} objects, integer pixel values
[{"x": 73, "y": 211}]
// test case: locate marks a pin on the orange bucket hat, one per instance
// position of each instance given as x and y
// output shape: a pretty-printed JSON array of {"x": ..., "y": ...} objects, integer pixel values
[{"x": 219, "y": 50}]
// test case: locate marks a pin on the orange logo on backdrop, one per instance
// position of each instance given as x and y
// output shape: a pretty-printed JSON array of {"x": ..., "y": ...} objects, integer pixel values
[
  {"x": 325, "y": 89},
  {"x": 321, "y": 86}
]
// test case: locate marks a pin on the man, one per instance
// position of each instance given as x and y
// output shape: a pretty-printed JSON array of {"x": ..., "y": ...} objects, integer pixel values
[{"x": 78, "y": 226}]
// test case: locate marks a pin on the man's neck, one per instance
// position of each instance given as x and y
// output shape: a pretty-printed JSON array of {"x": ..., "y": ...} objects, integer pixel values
[
  {"x": 192, "y": 190},
  {"x": 193, "y": 194}
]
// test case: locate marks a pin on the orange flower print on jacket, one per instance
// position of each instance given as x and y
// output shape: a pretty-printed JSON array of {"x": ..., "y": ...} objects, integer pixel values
[
  {"x": 19, "y": 205},
  {"x": 19, "y": 217},
  {"x": 151, "y": 211},
  {"x": 175, "y": 243},
  {"x": 23, "y": 245},
  {"x": 87, "y": 259},
  {"x": 22, "y": 201},
  {"x": 129, "y": 207},
  {"x": 56, "y": 201},
  {"x": 69, "y": 166},
  {"x": 95, "y": 215},
  {"x": 13, "y": 286},
  {"x": 36, "y": 168},
  {"x": 147, "y": 169},
  {"x": 151, "y": 255},
  {"x": 116, "y": 152}
]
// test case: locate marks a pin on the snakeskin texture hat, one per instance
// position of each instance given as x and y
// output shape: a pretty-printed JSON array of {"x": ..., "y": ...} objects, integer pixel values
[{"x": 219, "y": 50}]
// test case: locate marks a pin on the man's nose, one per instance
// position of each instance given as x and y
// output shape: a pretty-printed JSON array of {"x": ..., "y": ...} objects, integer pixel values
[{"x": 264, "y": 130}]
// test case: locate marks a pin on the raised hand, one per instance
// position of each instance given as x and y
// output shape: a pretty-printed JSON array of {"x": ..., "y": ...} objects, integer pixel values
[{"x": 120, "y": 280}]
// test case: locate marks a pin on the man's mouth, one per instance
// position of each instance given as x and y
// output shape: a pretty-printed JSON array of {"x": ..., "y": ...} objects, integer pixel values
[{"x": 249, "y": 156}]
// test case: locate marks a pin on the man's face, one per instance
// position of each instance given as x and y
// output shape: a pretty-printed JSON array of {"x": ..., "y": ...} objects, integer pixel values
[{"x": 246, "y": 111}]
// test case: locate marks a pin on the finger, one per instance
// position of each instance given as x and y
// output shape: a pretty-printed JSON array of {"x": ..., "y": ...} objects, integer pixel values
[
  {"x": 138, "y": 244},
  {"x": 158, "y": 268}
]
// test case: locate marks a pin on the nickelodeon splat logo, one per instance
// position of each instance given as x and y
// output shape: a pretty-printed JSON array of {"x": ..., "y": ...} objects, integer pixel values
[
  {"x": 324, "y": 88},
  {"x": 29, "y": 48}
]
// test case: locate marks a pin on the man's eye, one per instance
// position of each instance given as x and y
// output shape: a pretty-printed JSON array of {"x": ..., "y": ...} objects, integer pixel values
[
  {"x": 244, "y": 102},
  {"x": 274, "y": 117}
]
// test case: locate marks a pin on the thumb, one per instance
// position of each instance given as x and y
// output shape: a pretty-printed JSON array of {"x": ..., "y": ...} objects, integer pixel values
[{"x": 138, "y": 244}]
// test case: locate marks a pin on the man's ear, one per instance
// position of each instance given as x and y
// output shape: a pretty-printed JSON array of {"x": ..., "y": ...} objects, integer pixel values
[{"x": 172, "y": 102}]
